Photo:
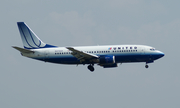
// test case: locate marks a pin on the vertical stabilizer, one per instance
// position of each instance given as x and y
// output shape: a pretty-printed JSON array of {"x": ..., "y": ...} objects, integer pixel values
[{"x": 29, "y": 38}]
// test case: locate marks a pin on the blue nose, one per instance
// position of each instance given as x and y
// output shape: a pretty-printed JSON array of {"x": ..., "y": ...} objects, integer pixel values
[{"x": 161, "y": 54}]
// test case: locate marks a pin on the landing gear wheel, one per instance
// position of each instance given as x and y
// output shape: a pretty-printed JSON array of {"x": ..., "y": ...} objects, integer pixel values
[
  {"x": 146, "y": 66},
  {"x": 91, "y": 68}
]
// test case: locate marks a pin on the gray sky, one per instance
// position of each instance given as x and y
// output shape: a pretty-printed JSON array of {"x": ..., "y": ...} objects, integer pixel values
[{"x": 27, "y": 83}]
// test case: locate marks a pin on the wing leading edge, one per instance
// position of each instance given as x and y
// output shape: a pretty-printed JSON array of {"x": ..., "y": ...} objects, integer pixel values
[{"x": 82, "y": 56}]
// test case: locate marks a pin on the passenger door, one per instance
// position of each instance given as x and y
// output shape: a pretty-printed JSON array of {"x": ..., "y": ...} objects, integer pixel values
[
  {"x": 46, "y": 55},
  {"x": 142, "y": 51}
]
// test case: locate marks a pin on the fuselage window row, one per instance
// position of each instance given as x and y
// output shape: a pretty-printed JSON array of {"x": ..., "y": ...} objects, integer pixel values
[
  {"x": 101, "y": 51},
  {"x": 119, "y": 50}
]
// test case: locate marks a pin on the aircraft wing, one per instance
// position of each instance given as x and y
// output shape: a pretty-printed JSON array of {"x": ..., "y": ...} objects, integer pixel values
[{"x": 82, "y": 55}]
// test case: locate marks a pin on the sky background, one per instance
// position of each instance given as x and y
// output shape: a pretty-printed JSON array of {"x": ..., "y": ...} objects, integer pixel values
[{"x": 27, "y": 83}]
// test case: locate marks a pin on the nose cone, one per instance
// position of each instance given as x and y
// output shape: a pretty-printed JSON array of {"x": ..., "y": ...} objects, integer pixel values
[{"x": 160, "y": 54}]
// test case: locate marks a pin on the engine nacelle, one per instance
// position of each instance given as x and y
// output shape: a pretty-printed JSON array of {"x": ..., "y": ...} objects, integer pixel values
[{"x": 107, "y": 59}]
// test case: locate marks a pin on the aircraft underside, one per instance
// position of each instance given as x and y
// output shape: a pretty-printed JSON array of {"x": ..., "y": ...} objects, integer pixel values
[{"x": 118, "y": 59}]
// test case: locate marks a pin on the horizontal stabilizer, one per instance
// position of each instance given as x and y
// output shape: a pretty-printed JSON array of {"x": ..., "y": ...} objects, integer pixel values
[{"x": 22, "y": 50}]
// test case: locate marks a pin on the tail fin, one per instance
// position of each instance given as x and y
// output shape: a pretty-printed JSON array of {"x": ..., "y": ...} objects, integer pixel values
[{"x": 29, "y": 38}]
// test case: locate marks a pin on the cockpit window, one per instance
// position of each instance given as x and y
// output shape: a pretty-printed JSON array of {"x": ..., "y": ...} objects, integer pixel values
[{"x": 152, "y": 49}]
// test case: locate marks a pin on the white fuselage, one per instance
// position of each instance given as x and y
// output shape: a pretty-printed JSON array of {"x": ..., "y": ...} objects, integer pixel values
[
  {"x": 122, "y": 53},
  {"x": 106, "y": 56}
]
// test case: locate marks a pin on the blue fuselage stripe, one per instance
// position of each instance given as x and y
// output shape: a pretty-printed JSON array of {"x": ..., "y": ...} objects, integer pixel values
[{"x": 119, "y": 58}]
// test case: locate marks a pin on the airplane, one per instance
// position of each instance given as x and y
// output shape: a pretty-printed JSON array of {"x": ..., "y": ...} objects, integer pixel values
[{"x": 107, "y": 56}]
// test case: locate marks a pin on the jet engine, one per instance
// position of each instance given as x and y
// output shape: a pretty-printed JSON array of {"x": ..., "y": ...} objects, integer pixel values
[{"x": 106, "y": 59}]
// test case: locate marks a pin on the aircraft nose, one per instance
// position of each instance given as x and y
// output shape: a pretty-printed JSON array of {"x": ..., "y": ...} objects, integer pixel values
[{"x": 160, "y": 54}]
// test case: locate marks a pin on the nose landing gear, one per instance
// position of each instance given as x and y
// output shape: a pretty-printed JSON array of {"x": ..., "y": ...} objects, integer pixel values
[
  {"x": 146, "y": 66},
  {"x": 90, "y": 67}
]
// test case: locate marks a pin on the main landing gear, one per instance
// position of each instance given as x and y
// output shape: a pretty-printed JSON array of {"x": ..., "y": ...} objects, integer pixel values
[{"x": 90, "y": 67}]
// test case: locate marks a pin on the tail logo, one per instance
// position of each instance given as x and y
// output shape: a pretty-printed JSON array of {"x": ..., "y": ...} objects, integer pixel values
[{"x": 29, "y": 38}]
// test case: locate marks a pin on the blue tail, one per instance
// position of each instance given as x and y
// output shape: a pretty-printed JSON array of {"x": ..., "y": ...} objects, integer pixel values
[{"x": 30, "y": 39}]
